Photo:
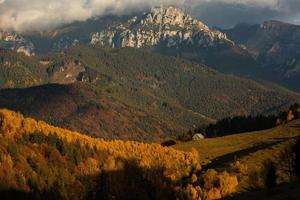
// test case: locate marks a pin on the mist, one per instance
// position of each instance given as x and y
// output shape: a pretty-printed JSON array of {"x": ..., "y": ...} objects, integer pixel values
[{"x": 24, "y": 15}]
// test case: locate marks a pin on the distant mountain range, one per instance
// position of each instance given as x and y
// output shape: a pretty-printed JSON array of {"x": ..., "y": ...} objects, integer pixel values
[
  {"x": 276, "y": 46},
  {"x": 269, "y": 51}
]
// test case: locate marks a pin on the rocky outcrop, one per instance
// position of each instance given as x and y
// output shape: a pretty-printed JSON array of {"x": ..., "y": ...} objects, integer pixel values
[
  {"x": 15, "y": 41},
  {"x": 169, "y": 27}
]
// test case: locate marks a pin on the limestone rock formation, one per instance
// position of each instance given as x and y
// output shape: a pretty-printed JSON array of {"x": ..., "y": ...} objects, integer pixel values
[{"x": 166, "y": 26}]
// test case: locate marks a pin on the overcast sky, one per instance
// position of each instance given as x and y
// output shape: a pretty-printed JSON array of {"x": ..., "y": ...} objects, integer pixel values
[
  {"x": 45, "y": 14},
  {"x": 227, "y": 13}
]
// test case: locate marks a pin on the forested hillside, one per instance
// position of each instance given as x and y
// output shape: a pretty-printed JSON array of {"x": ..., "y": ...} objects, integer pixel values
[
  {"x": 149, "y": 97},
  {"x": 19, "y": 70},
  {"x": 39, "y": 161},
  {"x": 137, "y": 74},
  {"x": 84, "y": 108}
]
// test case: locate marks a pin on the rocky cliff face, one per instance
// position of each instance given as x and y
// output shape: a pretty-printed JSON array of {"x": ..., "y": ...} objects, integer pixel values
[
  {"x": 16, "y": 42},
  {"x": 169, "y": 27}
]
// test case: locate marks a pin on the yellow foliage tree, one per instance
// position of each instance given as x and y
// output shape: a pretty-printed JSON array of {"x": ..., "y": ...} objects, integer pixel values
[{"x": 45, "y": 155}]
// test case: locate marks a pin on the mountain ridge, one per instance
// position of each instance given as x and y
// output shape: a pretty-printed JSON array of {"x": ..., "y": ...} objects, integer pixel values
[
  {"x": 276, "y": 47},
  {"x": 268, "y": 51}
]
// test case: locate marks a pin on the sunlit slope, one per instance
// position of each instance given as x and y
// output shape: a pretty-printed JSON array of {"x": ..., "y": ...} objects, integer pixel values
[
  {"x": 39, "y": 161},
  {"x": 247, "y": 156},
  {"x": 212, "y": 148}
]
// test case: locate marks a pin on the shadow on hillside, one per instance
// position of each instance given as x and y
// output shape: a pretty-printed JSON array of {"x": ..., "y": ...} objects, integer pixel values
[
  {"x": 290, "y": 191},
  {"x": 285, "y": 138},
  {"x": 13, "y": 194},
  {"x": 20, "y": 195},
  {"x": 130, "y": 182},
  {"x": 133, "y": 183},
  {"x": 297, "y": 126},
  {"x": 223, "y": 160}
]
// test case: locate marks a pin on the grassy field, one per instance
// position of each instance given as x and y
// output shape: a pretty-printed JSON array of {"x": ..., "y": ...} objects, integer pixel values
[
  {"x": 240, "y": 145},
  {"x": 251, "y": 151}
]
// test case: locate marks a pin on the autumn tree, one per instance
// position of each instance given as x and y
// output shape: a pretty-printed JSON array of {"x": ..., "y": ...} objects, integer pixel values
[{"x": 290, "y": 116}]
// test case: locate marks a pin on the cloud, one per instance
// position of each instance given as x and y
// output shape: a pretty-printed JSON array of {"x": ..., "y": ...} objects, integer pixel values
[
  {"x": 227, "y": 13},
  {"x": 22, "y": 15},
  {"x": 297, "y": 20},
  {"x": 42, "y": 14}
]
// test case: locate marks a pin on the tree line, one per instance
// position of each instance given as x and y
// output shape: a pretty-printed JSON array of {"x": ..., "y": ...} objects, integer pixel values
[{"x": 240, "y": 124}]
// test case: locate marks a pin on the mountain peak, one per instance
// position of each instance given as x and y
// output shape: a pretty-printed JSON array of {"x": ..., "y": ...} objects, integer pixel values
[
  {"x": 166, "y": 10},
  {"x": 169, "y": 26},
  {"x": 172, "y": 15}
]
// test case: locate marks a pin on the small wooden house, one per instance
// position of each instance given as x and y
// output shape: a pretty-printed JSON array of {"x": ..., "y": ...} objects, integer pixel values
[{"x": 198, "y": 136}]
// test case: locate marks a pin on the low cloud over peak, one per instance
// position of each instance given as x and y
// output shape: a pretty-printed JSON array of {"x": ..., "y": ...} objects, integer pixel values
[
  {"x": 43, "y": 14},
  {"x": 22, "y": 15}
]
